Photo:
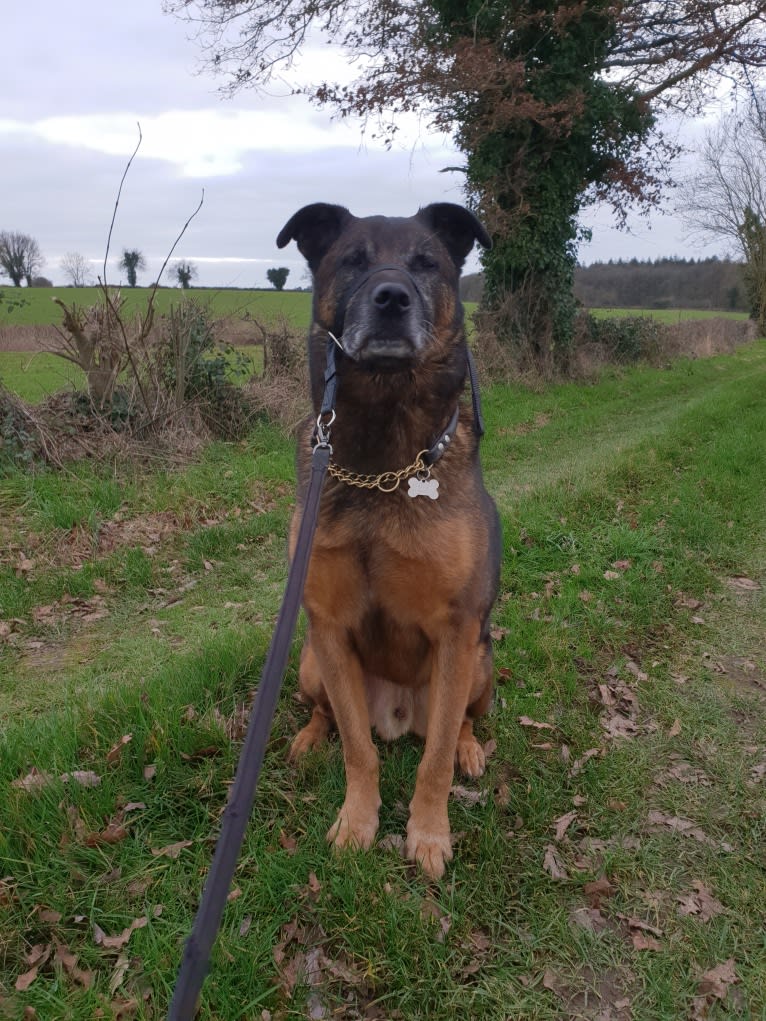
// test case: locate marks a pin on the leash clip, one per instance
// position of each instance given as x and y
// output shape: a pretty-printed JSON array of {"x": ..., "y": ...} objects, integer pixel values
[{"x": 322, "y": 430}]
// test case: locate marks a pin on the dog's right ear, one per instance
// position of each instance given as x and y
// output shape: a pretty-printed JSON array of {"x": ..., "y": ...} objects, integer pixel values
[{"x": 315, "y": 228}]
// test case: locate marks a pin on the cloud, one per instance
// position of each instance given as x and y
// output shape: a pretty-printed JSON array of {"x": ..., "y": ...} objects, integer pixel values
[{"x": 199, "y": 143}]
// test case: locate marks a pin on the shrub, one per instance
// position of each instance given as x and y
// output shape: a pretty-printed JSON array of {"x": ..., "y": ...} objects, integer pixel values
[{"x": 628, "y": 339}]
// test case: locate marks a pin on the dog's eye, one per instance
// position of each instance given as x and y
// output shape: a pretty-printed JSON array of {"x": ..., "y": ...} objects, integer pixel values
[
  {"x": 421, "y": 261},
  {"x": 356, "y": 260}
]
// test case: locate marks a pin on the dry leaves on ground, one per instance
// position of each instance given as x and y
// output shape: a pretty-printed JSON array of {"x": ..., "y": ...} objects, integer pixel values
[{"x": 702, "y": 904}]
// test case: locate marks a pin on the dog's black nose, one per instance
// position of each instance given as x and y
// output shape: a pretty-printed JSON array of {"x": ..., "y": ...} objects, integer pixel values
[{"x": 391, "y": 298}]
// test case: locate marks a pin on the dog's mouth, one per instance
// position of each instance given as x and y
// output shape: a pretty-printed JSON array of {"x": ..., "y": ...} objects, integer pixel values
[{"x": 383, "y": 354}]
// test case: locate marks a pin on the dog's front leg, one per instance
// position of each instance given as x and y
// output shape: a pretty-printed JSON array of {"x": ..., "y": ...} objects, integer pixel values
[
  {"x": 428, "y": 834},
  {"x": 357, "y": 821}
]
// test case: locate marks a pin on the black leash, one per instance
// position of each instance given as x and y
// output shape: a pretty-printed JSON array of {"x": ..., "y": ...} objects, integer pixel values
[{"x": 196, "y": 958}]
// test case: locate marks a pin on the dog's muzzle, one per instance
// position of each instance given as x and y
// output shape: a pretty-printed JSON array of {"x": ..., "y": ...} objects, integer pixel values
[{"x": 384, "y": 320}]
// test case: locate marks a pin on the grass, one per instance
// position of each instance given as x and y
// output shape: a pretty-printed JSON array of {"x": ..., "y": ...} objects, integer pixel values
[
  {"x": 35, "y": 306},
  {"x": 667, "y": 315},
  {"x": 141, "y": 603},
  {"x": 35, "y": 376}
]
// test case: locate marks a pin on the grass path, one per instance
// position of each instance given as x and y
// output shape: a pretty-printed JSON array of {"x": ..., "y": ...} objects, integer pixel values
[{"x": 609, "y": 865}]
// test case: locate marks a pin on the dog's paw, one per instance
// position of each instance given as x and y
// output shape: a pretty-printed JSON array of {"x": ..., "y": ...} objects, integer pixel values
[
  {"x": 353, "y": 829},
  {"x": 470, "y": 757},
  {"x": 430, "y": 850},
  {"x": 311, "y": 736}
]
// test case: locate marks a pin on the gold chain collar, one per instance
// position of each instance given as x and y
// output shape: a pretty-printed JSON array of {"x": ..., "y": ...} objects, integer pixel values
[{"x": 386, "y": 482}]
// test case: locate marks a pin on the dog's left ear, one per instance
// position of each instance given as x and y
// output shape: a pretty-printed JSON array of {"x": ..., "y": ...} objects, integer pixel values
[
  {"x": 315, "y": 228},
  {"x": 455, "y": 227}
]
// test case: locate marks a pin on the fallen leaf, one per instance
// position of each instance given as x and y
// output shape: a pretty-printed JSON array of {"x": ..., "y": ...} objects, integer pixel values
[
  {"x": 171, "y": 850},
  {"x": 525, "y": 721},
  {"x": 84, "y": 777},
  {"x": 46, "y": 915},
  {"x": 639, "y": 925},
  {"x": 552, "y": 863},
  {"x": 113, "y": 833},
  {"x": 611, "y": 575},
  {"x": 490, "y": 748},
  {"x": 589, "y": 919},
  {"x": 742, "y": 584},
  {"x": 701, "y": 903},
  {"x": 66, "y": 958},
  {"x": 24, "y": 981},
  {"x": 562, "y": 824},
  {"x": 150, "y": 772},
  {"x": 466, "y": 796},
  {"x": 118, "y": 942},
  {"x": 687, "y": 828},
  {"x": 39, "y": 954},
  {"x": 114, "y": 753},
  {"x": 430, "y": 909},
  {"x": 578, "y": 764},
  {"x": 35, "y": 780},
  {"x": 244, "y": 927},
  {"x": 675, "y": 730},
  {"x": 290, "y": 844},
  {"x": 119, "y": 973},
  {"x": 622, "y": 565},
  {"x": 643, "y": 942},
  {"x": 716, "y": 981},
  {"x": 635, "y": 669},
  {"x": 234, "y": 894},
  {"x": 597, "y": 890}
]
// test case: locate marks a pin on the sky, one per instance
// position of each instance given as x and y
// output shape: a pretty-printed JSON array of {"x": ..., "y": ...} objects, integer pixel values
[{"x": 76, "y": 80}]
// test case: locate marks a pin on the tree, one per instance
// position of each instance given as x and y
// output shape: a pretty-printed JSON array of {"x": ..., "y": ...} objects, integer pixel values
[
  {"x": 132, "y": 262},
  {"x": 20, "y": 257},
  {"x": 726, "y": 197},
  {"x": 183, "y": 273},
  {"x": 553, "y": 104},
  {"x": 277, "y": 277},
  {"x": 76, "y": 269}
]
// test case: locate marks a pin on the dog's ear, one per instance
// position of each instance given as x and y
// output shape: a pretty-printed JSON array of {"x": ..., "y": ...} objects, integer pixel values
[
  {"x": 314, "y": 228},
  {"x": 455, "y": 227}
]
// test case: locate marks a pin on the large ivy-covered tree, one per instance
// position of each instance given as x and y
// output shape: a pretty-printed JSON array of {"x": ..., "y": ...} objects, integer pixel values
[{"x": 553, "y": 104}]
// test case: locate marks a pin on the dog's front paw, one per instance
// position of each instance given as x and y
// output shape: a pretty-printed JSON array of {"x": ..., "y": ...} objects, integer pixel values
[
  {"x": 430, "y": 849},
  {"x": 470, "y": 757},
  {"x": 353, "y": 828}
]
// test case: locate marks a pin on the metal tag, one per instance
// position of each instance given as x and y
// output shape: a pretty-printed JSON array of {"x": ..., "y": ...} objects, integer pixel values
[{"x": 423, "y": 487}]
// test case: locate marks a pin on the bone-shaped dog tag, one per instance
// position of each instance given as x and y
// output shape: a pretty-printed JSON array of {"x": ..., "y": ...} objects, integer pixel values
[{"x": 423, "y": 487}]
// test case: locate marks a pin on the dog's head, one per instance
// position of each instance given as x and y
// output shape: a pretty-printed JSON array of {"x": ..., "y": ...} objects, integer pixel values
[{"x": 387, "y": 287}]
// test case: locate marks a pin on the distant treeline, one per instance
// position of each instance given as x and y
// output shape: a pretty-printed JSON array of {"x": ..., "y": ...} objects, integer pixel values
[{"x": 664, "y": 283}]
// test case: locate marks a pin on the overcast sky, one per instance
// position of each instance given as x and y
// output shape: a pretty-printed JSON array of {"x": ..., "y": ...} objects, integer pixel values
[{"x": 76, "y": 78}]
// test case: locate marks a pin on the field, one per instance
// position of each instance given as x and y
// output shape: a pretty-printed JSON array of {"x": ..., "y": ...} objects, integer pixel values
[
  {"x": 610, "y": 863},
  {"x": 666, "y": 315},
  {"x": 35, "y": 305}
]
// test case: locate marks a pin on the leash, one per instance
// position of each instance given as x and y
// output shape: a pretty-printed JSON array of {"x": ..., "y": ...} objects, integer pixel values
[{"x": 196, "y": 958}]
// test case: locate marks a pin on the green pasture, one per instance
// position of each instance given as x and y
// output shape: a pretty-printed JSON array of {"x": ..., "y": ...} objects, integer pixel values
[
  {"x": 35, "y": 305},
  {"x": 666, "y": 315},
  {"x": 610, "y": 864}
]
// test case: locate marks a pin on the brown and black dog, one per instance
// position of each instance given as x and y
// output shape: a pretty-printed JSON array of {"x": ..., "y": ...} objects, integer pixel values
[{"x": 401, "y": 580}]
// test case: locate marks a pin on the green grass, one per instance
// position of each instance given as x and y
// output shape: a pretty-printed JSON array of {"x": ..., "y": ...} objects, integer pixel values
[
  {"x": 626, "y": 505},
  {"x": 35, "y": 306},
  {"x": 667, "y": 315},
  {"x": 35, "y": 376}
]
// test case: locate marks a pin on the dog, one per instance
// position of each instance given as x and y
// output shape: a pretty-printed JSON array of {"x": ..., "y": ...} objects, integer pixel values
[{"x": 405, "y": 565}]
